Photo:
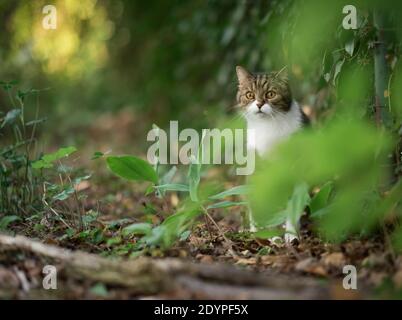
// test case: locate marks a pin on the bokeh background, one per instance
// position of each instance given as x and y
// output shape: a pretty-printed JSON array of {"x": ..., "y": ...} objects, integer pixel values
[{"x": 114, "y": 65}]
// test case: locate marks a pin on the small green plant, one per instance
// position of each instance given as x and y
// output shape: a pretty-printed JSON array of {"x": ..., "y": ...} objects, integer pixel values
[
  {"x": 27, "y": 181},
  {"x": 20, "y": 186},
  {"x": 62, "y": 198},
  {"x": 198, "y": 202}
]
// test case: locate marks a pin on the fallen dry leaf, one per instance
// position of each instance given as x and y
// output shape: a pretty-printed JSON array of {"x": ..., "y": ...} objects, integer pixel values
[
  {"x": 310, "y": 265},
  {"x": 336, "y": 260}
]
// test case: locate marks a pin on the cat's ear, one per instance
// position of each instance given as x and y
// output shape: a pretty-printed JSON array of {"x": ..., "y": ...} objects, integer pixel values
[
  {"x": 243, "y": 75},
  {"x": 283, "y": 74}
]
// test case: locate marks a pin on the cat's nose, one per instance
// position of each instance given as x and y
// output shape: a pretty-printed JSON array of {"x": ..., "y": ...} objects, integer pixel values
[{"x": 260, "y": 104}]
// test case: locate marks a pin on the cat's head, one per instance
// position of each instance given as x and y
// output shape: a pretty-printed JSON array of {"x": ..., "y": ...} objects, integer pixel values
[{"x": 263, "y": 95}]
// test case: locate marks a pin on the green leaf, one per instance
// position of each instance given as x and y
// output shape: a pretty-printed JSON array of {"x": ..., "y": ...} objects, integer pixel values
[
  {"x": 172, "y": 187},
  {"x": 294, "y": 208},
  {"x": 172, "y": 228},
  {"x": 299, "y": 200},
  {"x": 22, "y": 94},
  {"x": 48, "y": 159},
  {"x": 268, "y": 233},
  {"x": 184, "y": 236},
  {"x": 7, "y": 85},
  {"x": 41, "y": 164},
  {"x": 97, "y": 155},
  {"x": 116, "y": 223},
  {"x": 10, "y": 117},
  {"x": 78, "y": 180},
  {"x": 238, "y": 190},
  {"x": 113, "y": 241},
  {"x": 194, "y": 174},
  {"x": 137, "y": 228},
  {"x": 65, "y": 194},
  {"x": 61, "y": 153},
  {"x": 226, "y": 204},
  {"x": 37, "y": 121},
  {"x": 5, "y": 221},
  {"x": 168, "y": 176},
  {"x": 321, "y": 198},
  {"x": 132, "y": 168},
  {"x": 338, "y": 68}
]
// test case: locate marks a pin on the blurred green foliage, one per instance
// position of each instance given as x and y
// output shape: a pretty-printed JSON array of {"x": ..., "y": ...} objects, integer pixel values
[
  {"x": 357, "y": 150},
  {"x": 351, "y": 153},
  {"x": 165, "y": 60}
]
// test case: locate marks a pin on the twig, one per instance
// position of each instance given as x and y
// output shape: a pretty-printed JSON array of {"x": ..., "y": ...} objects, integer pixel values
[
  {"x": 51, "y": 209},
  {"x": 228, "y": 242}
]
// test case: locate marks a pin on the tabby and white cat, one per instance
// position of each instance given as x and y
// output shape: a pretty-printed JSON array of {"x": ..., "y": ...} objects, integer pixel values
[{"x": 266, "y": 102}]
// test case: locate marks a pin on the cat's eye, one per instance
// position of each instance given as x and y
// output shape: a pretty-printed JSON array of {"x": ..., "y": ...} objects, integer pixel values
[
  {"x": 249, "y": 95},
  {"x": 270, "y": 94}
]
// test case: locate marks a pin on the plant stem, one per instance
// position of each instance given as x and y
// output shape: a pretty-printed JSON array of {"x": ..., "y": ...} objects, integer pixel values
[
  {"x": 380, "y": 71},
  {"x": 221, "y": 233}
]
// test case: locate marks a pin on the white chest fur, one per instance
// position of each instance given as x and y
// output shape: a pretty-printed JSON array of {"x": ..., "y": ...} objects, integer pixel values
[{"x": 267, "y": 131}]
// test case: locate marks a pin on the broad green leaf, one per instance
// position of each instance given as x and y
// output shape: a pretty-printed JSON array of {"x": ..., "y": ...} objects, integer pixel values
[
  {"x": 41, "y": 164},
  {"x": 194, "y": 173},
  {"x": 356, "y": 165},
  {"x": 132, "y": 168},
  {"x": 238, "y": 190},
  {"x": 338, "y": 68},
  {"x": 321, "y": 199},
  {"x": 48, "y": 159},
  {"x": 226, "y": 204},
  {"x": 294, "y": 208},
  {"x": 61, "y": 153},
  {"x": 5, "y": 221},
  {"x": 299, "y": 200},
  {"x": 137, "y": 228},
  {"x": 166, "y": 180},
  {"x": 172, "y": 228}
]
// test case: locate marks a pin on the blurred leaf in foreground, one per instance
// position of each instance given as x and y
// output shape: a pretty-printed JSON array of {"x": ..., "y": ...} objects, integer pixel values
[{"x": 352, "y": 153}]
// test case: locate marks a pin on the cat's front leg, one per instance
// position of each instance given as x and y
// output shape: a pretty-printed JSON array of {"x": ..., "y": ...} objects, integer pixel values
[
  {"x": 291, "y": 232},
  {"x": 252, "y": 224}
]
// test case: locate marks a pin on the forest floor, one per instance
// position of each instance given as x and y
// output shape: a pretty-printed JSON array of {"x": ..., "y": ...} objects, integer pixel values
[
  {"x": 310, "y": 269},
  {"x": 315, "y": 266}
]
